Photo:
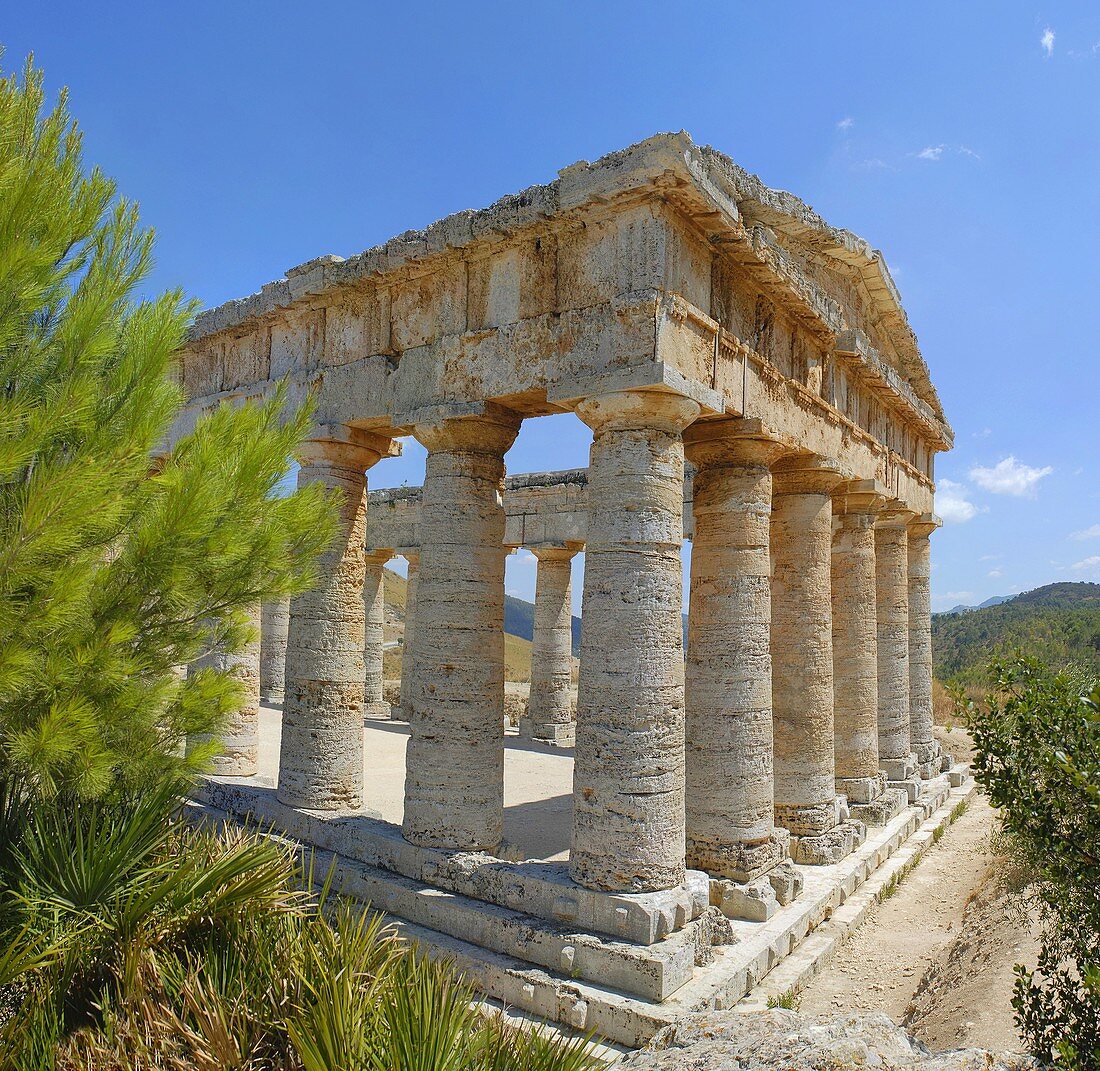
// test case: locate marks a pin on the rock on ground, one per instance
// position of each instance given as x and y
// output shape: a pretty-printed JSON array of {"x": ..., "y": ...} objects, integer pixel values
[{"x": 781, "y": 1040}]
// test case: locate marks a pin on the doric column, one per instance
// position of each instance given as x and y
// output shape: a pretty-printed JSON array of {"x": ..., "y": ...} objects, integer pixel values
[
  {"x": 802, "y": 659},
  {"x": 628, "y": 773},
  {"x": 549, "y": 715},
  {"x": 374, "y": 615},
  {"x": 239, "y": 738},
  {"x": 274, "y": 621},
  {"x": 892, "y": 603},
  {"x": 454, "y": 766},
  {"x": 321, "y": 755},
  {"x": 922, "y": 740},
  {"x": 404, "y": 705},
  {"x": 730, "y": 831},
  {"x": 855, "y": 654}
]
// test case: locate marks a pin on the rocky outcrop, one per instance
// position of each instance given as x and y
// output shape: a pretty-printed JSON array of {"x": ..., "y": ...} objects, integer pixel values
[{"x": 781, "y": 1040}]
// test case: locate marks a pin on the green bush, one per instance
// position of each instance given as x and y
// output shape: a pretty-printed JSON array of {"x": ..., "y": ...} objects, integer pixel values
[
  {"x": 1037, "y": 754},
  {"x": 149, "y": 943}
]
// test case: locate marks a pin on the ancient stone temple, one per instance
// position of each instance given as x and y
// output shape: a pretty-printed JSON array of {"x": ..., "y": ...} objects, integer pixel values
[{"x": 751, "y": 382}]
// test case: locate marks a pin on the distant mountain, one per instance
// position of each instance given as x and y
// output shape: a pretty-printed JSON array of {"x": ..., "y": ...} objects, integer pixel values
[
  {"x": 1058, "y": 623},
  {"x": 996, "y": 600}
]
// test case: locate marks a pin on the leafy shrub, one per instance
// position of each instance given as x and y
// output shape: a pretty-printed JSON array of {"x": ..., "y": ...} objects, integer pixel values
[{"x": 1037, "y": 753}]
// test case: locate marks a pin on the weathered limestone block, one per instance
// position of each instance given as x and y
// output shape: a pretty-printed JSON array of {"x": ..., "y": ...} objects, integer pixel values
[
  {"x": 628, "y": 775},
  {"x": 274, "y": 622},
  {"x": 855, "y": 649},
  {"x": 404, "y": 706},
  {"x": 374, "y": 614},
  {"x": 550, "y": 717},
  {"x": 728, "y": 756},
  {"x": 239, "y": 738},
  {"x": 454, "y": 779},
  {"x": 802, "y": 653},
  {"x": 321, "y": 753},
  {"x": 892, "y": 603},
  {"x": 922, "y": 740},
  {"x": 754, "y": 901}
]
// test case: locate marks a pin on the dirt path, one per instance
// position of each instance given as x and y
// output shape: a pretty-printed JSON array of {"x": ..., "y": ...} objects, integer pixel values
[{"x": 950, "y": 932}]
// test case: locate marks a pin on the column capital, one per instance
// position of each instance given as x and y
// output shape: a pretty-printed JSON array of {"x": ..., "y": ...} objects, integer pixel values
[
  {"x": 652, "y": 409},
  {"x": 806, "y": 474},
  {"x": 860, "y": 497},
  {"x": 341, "y": 444},
  {"x": 923, "y": 525},
  {"x": 554, "y": 551},
  {"x": 894, "y": 515},
  {"x": 410, "y": 554},
  {"x": 745, "y": 442},
  {"x": 490, "y": 431}
]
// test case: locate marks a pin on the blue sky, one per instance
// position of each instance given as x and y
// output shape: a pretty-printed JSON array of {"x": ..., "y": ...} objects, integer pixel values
[{"x": 961, "y": 139}]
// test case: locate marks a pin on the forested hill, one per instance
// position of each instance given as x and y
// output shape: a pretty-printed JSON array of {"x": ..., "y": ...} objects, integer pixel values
[{"x": 1058, "y": 623}]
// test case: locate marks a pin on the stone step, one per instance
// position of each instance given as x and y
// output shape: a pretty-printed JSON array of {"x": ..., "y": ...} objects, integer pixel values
[
  {"x": 653, "y": 972},
  {"x": 582, "y": 1006},
  {"x": 797, "y": 970},
  {"x": 536, "y": 887}
]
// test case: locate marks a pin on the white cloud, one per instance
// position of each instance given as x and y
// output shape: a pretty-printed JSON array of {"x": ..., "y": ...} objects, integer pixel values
[
  {"x": 952, "y": 503},
  {"x": 1047, "y": 42},
  {"x": 994, "y": 573},
  {"x": 967, "y": 151},
  {"x": 846, "y": 123},
  {"x": 1087, "y": 533},
  {"x": 989, "y": 557},
  {"x": 952, "y": 598},
  {"x": 1009, "y": 477},
  {"x": 1087, "y": 565},
  {"x": 931, "y": 152},
  {"x": 983, "y": 434}
]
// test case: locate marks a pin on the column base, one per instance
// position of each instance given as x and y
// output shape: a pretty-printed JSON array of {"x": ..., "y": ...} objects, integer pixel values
[
  {"x": 822, "y": 849},
  {"x": 881, "y": 810},
  {"x": 929, "y": 759},
  {"x": 759, "y": 899},
  {"x": 740, "y": 861},
  {"x": 911, "y": 786},
  {"x": 861, "y": 789},
  {"x": 275, "y": 699},
  {"x": 379, "y": 711},
  {"x": 556, "y": 734},
  {"x": 808, "y": 819},
  {"x": 899, "y": 769},
  {"x": 397, "y": 712}
]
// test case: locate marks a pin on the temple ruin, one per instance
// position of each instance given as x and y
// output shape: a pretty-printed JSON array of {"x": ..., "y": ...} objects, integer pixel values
[{"x": 751, "y": 380}]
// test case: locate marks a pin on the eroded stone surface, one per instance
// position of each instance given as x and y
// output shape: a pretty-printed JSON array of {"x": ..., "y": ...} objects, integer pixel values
[
  {"x": 239, "y": 737},
  {"x": 628, "y": 776},
  {"x": 892, "y": 601},
  {"x": 802, "y": 646},
  {"x": 274, "y": 622},
  {"x": 782, "y": 1040},
  {"x": 730, "y": 832},
  {"x": 454, "y": 788},
  {"x": 550, "y": 715},
  {"x": 374, "y": 619},
  {"x": 321, "y": 752}
]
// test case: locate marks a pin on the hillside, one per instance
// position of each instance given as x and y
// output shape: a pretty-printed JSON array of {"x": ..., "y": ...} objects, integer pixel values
[
  {"x": 517, "y": 648},
  {"x": 1058, "y": 623}
]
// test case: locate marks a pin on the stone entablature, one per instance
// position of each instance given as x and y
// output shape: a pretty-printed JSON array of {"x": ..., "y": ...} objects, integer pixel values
[{"x": 617, "y": 275}]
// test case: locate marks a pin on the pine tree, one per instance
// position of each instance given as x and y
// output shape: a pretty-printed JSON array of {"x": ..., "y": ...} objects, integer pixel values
[{"x": 119, "y": 561}]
